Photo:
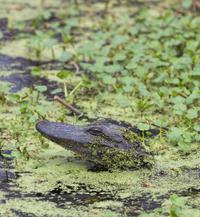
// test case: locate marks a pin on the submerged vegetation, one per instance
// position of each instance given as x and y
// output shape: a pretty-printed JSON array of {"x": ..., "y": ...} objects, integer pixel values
[{"x": 136, "y": 61}]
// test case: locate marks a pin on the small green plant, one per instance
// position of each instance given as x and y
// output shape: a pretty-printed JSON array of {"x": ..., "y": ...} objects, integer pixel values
[
  {"x": 143, "y": 105},
  {"x": 174, "y": 207},
  {"x": 143, "y": 127},
  {"x": 66, "y": 77},
  {"x": 40, "y": 42},
  {"x": 177, "y": 205}
]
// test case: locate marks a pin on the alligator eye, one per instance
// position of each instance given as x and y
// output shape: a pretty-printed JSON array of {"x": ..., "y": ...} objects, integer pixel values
[{"x": 95, "y": 131}]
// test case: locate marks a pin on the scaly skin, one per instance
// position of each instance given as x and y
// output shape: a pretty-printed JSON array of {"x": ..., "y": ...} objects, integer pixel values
[{"x": 108, "y": 143}]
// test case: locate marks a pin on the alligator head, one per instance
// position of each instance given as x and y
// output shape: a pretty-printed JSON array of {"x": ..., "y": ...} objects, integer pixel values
[{"x": 105, "y": 142}]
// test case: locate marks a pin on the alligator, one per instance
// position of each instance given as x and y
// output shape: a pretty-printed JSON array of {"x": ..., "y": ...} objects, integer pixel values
[{"x": 106, "y": 142}]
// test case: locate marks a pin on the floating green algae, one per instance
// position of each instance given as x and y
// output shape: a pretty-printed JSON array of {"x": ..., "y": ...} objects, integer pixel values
[
  {"x": 53, "y": 181},
  {"x": 54, "y": 167}
]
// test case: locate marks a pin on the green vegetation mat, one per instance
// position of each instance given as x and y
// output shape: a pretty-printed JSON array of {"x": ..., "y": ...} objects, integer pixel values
[{"x": 136, "y": 61}]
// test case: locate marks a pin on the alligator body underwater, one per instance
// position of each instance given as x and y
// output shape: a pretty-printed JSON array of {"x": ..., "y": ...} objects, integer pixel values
[{"x": 108, "y": 143}]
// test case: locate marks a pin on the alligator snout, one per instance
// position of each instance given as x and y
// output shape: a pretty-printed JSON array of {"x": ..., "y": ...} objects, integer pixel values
[{"x": 42, "y": 125}]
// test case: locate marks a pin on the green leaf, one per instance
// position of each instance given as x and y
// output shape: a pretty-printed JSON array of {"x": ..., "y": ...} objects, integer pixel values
[
  {"x": 64, "y": 74},
  {"x": 186, "y": 4},
  {"x": 122, "y": 100},
  {"x": 57, "y": 90},
  {"x": 111, "y": 69},
  {"x": 142, "y": 71},
  {"x": 160, "y": 78},
  {"x": 195, "y": 22},
  {"x": 108, "y": 79},
  {"x": 41, "y": 88},
  {"x": 192, "y": 45},
  {"x": 197, "y": 127},
  {"x": 178, "y": 100},
  {"x": 65, "y": 56},
  {"x": 193, "y": 96},
  {"x": 119, "y": 39},
  {"x": 175, "y": 134},
  {"x": 143, "y": 126},
  {"x": 180, "y": 108},
  {"x": 33, "y": 119},
  {"x": 14, "y": 97},
  {"x": 197, "y": 137},
  {"x": 42, "y": 110},
  {"x": 36, "y": 71},
  {"x": 196, "y": 71},
  {"x": 128, "y": 88},
  {"x": 119, "y": 57},
  {"x": 46, "y": 14},
  {"x": 192, "y": 113},
  {"x": 50, "y": 42},
  {"x": 162, "y": 122},
  {"x": 131, "y": 65},
  {"x": 128, "y": 80},
  {"x": 110, "y": 214},
  {"x": 143, "y": 90},
  {"x": 16, "y": 154}
]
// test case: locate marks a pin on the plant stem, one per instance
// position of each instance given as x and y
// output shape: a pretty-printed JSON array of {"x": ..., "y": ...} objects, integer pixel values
[
  {"x": 68, "y": 106},
  {"x": 77, "y": 86},
  {"x": 65, "y": 89}
]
